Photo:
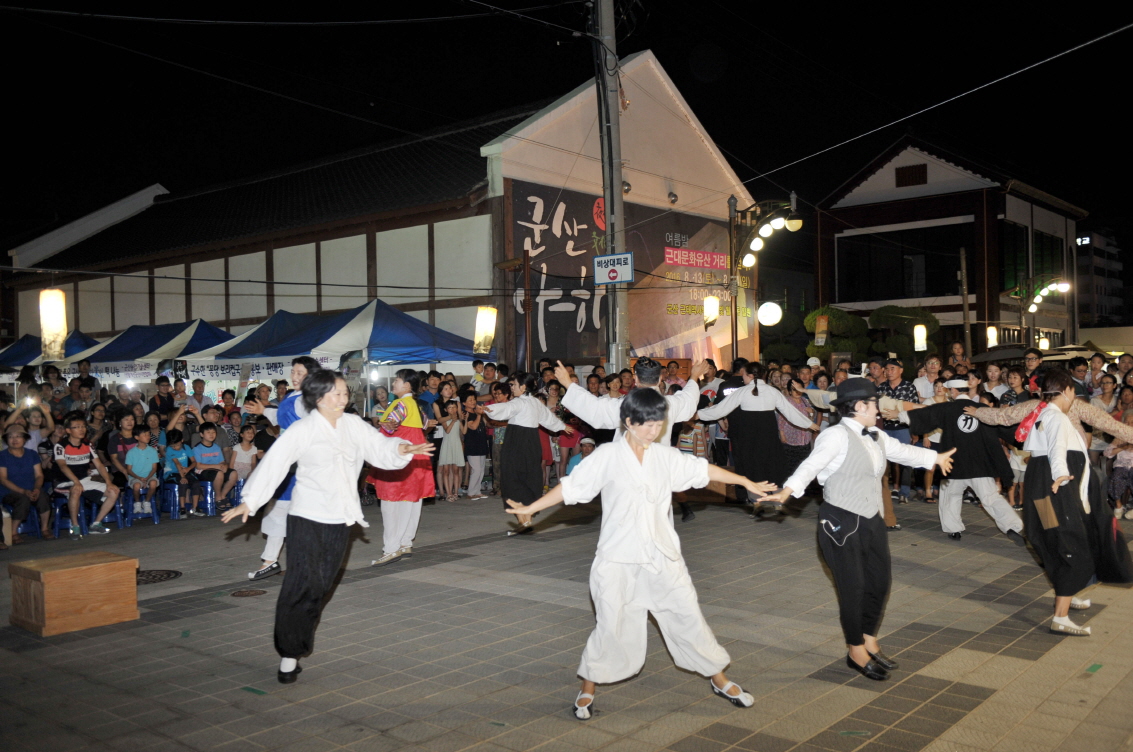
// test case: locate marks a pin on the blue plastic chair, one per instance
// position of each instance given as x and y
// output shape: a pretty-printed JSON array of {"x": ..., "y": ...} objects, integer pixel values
[
  {"x": 63, "y": 514},
  {"x": 170, "y": 499},
  {"x": 208, "y": 498},
  {"x": 92, "y": 501},
  {"x": 126, "y": 504}
]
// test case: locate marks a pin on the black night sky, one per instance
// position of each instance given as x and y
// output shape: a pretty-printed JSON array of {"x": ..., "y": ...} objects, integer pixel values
[{"x": 93, "y": 117}]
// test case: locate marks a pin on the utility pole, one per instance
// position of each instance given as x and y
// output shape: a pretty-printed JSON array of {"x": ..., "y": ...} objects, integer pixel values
[
  {"x": 964, "y": 297},
  {"x": 609, "y": 110}
]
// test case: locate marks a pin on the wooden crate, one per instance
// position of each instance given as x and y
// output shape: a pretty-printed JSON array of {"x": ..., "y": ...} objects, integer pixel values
[{"x": 69, "y": 593}]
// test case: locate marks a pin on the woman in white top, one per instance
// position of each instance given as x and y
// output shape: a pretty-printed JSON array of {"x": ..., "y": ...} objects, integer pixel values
[
  {"x": 995, "y": 380},
  {"x": 752, "y": 428},
  {"x": 329, "y": 447},
  {"x": 1065, "y": 517},
  {"x": 1106, "y": 400},
  {"x": 638, "y": 569},
  {"x": 522, "y": 475}
]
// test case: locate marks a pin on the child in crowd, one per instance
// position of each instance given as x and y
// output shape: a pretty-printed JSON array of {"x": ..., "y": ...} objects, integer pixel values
[
  {"x": 1121, "y": 479},
  {"x": 179, "y": 464},
  {"x": 142, "y": 462},
  {"x": 693, "y": 439},
  {"x": 1018, "y": 459},
  {"x": 244, "y": 454},
  {"x": 211, "y": 466},
  {"x": 451, "y": 461}
]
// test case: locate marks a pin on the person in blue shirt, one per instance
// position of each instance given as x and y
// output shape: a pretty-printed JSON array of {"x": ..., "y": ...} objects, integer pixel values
[
  {"x": 211, "y": 465},
  {"x": 179, "y": 464},
  {"x": 586, "y": 446},
  {"x": 142, "y": 463},
  {"x": 290, "y": 409},
  {"x": 22, "y": 478}
]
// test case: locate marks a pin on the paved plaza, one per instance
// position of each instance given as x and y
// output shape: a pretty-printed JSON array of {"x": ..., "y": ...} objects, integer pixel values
[{"x": 473, "y": 645}]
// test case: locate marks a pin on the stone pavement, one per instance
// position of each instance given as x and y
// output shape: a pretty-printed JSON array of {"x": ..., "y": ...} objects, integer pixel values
[{"x": 473, "y": 645}]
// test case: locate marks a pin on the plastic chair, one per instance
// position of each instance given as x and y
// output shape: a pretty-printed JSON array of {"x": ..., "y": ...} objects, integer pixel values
[
  {"x": 30, "y": 526},
  {"x": 126, "y": 499},
  {"x": 208, "y": 498},
  {"x": 170, "y": 499},
  {"x": 63, "y": 514}
]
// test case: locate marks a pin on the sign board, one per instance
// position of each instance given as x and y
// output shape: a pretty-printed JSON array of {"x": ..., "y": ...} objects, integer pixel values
[{"x": 613, "y": 268}]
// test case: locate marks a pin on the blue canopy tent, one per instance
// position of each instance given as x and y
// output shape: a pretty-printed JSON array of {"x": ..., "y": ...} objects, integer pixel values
[
  {"x": 383, "y": 333},
  {"x": 28, "y": 349},
  {"x": 147, "y": 343}
]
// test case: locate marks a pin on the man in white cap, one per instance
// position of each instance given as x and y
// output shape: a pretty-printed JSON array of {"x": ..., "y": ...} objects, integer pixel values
[
  {"x": 814, "y": 365},
  {"x": 976, "y": 467}
]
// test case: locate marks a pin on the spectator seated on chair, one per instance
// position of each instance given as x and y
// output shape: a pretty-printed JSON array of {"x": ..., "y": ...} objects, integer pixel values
[
  {"x": 142, "y": 463},
  {"x": 22, "y": 478},
  {"x": 74, "y": 460},
  {"x": 179, "y": 464},
  {"x": 212, "y": 467}
]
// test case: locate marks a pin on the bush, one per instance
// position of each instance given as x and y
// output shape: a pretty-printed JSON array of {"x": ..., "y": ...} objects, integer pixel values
[
  {"x": 839, "y": 324},
  {"x": 902, "y": 319},
  {"x": 783, "y": 352}
]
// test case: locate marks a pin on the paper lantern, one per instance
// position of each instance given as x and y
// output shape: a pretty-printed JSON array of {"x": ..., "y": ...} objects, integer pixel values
[
  {"x": 1044, "y": 343},
  {"x": 992, "y": 337},
  {"x": 711, "y": 310},
  {"x": 53, "y": 323},
  {"x": 769, "y": 314},
  {"x": 485, "y": 330},
  {"x": 920, "y": 338}
]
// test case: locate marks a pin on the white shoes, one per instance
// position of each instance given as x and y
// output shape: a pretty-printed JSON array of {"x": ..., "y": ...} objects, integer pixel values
[
  {"x": 137, "y": 507},
  {"x": 582, "y": 712},
  {"x": 146, "y": 508},
  {"x": 1080, "y": 604},
  {"x": 741, "y": 699},
  {"x": 1063, "y": 625}
]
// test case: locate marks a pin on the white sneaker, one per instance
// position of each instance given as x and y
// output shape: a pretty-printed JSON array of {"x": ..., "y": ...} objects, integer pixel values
[
  {"x": 137, "y": 507},
  {"x": 1129, "y": 513},
  {"x": 146, "y": 508}
]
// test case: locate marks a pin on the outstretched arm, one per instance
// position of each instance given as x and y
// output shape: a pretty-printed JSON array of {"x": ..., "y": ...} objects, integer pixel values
[
  {"x": 721, "y": 475},
  {"x": 525, "y": 511}
]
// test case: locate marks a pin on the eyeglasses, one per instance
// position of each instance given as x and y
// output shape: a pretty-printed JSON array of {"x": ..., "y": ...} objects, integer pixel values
[{"x": 1030, "y": 358}]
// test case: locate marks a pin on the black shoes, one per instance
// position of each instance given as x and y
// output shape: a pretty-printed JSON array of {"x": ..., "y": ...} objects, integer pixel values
[
  {"x": 289, "y": 677},
  {"x": 688, "y": 516},
  {"x": 954, "y": 536},
  {"x": 1017, "y": 539},
  {"x": 871, "y": 670},
  {"x": 881, "y": 659}
]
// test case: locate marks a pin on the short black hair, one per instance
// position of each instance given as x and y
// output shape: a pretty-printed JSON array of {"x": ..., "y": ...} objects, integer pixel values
[
  {"x": 208, "y": 425},
  {"x": 318, "y": 385},
  {"x": 477, "y": 362},
  {"x": 307, "y": 362},
  {"x": 1033, "y": 351},
  {"x": 161, "y": 380},
  {"x": 641, "y": 406},
  {"x": 1078, "y": 362},
  {"x": 647, "y": 371},
  {"x": 84, "y": 360},
  {"x": 529, "y": 380},
  {"x": 410, "y": 377},
  {"x": 174, "y": 435},
  {"x": 1056, "y": 381},
  {"x": 490, "y": 365},
  {"x": 227, "y": 392},
  {"x": 502, "y": 369}
]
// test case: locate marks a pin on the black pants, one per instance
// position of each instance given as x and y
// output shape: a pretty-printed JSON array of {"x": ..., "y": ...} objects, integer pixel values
[
  {"x": 857, "y": 551},
  {"x": 314, "y": 555},
  {"x": 21, "y": 505}
]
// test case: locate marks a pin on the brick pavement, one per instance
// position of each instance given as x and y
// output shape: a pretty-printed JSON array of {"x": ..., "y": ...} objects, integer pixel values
[{"x": 473, "y": 644}]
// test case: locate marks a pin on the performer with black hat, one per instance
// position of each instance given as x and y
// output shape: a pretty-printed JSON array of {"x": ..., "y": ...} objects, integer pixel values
[
  {"x": 977, "y": 467},
  {"x": 849, "y": 460}
]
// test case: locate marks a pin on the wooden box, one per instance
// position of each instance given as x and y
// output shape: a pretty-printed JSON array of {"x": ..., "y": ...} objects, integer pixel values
[{"x": 69, "y": 593}]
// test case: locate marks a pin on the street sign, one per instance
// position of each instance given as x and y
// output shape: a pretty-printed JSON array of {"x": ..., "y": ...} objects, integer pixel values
[{"x": 613, "y": 268}]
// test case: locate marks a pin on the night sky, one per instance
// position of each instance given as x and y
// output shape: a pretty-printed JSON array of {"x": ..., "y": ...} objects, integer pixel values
[{"x": 90, "y": 122}]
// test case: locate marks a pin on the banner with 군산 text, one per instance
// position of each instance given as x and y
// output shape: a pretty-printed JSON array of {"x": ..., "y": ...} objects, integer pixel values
[{"x": 679, "y": 259}]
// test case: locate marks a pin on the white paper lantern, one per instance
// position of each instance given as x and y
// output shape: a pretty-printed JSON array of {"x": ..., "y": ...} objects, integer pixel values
[
  {"x": 53, "y": 323},
  {"x": 485, "y": 330},
  {"x": 992, "y": 337},
  {"x": 920, "y": 338},
  {"x": 711, "y": 310},
  {"x": 769, "y": 314}
]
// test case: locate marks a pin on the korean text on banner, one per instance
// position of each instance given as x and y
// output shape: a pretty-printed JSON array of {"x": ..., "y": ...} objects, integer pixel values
[{"x": 820, "y": 330}]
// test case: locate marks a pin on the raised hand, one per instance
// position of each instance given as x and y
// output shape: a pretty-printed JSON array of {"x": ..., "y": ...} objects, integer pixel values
[
  {"x": 698, "y": 370},
  {"x": 562, "y": 375},
  {"x": 519, "y": 511}
]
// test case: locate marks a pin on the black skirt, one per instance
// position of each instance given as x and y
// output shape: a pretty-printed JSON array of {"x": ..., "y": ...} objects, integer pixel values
[
  {"x": 756, "y": 448},
  {"x": 522, "y": 476},
  {"x": 1074, "y": 545}
]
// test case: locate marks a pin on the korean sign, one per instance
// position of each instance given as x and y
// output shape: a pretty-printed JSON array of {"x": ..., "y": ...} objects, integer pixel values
[{"x": 613, "y": 268}]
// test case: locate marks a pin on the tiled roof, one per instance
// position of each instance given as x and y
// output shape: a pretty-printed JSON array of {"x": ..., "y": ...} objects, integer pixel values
[{"x": 438, "y": 166}]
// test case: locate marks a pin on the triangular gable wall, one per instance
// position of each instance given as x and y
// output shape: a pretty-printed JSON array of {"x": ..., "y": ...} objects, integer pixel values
[
  {"x": 943, "y": 177},
  {"x": 664, "y": 147}
]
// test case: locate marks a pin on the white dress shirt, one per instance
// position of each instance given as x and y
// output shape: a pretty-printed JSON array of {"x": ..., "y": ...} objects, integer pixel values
[
  {"x": 637, "y": 498},
  {"x": 769, "y": 398},
  {"x": 524, "y": 411},
  {"x": 830, "y": 452},
  {"x": 603, "y": 412},
  {"x": 1052, "y": 436},
  {"x": 330, "y": 458}
]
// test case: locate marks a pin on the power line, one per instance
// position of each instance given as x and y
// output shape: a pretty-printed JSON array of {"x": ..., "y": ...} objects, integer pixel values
[
  {"x": 226, "y": 22},
  {"x": 520, "y": 15}
]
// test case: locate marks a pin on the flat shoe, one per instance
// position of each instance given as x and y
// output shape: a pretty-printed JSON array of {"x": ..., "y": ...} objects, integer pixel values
[
  {"x": 741, "y": 700},
  {"x": 583, "y": 712},
  {"x": 881, "y": 659},
  {"x": 1080, "y": 604},
  {"x": 871, "y": 670},
  {"x": 1072, "y": 629},
  {"x": 289, "y": 677}
]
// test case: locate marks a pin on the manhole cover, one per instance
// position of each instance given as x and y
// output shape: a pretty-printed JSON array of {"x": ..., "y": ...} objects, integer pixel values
[
  {"x": 247, "y": 593},
  {"x": 150, "y": 576}
]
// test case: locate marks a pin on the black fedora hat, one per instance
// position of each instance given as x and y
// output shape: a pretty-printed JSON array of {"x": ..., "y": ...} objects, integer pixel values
[{"x": 852, "y": 390}]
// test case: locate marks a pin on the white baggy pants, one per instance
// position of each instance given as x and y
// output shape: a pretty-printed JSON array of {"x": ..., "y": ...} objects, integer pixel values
[
  {"x": 399, "y": 524},
  {"x": 952, "y": 500},
  {"x": 475, "y": 474},
  {"x": 624, "y": 596}
]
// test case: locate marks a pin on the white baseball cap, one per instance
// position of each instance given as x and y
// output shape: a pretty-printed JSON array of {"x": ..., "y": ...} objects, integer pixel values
[{"x": 812, "y": 362}]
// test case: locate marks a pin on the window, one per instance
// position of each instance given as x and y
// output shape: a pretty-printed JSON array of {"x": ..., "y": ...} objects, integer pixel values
[
  {"x": 1013, "y": 249},
  {"x": 903, "y": 264},
  {"x": 912, "y": 175}
]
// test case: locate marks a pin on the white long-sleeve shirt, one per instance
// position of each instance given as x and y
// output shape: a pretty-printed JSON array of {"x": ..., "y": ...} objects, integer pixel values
[
  {"x": 603, "y": 412},
  {"x": 830, "y": 450},
  {"x": 637, "y": 498},
  {"x": 769, "y": 398},
  {"x": 1053, "y": 436},
  {"x": 524, "y": 411},
  {"x": 330, "y": 458}
]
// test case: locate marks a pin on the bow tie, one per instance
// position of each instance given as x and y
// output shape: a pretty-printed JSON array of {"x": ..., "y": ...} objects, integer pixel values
[{"x": 869, "y": 433}]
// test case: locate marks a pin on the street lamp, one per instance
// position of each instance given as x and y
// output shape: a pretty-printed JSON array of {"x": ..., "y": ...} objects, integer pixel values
[
  {"x": 1029, "y": 289},
  {"x": 757, "y": 222}
]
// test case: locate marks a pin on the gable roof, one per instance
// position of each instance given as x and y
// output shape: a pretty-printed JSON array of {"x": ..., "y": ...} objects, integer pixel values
[
  {"x": 949, "y": 172},
  {"x": 435, "y": 167},
  {"x": 665, "y": 148}
]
